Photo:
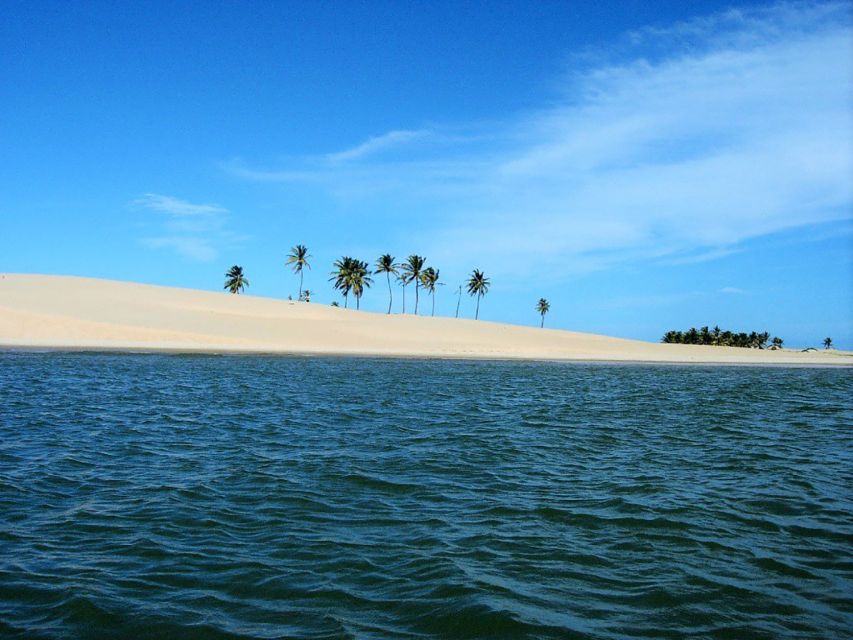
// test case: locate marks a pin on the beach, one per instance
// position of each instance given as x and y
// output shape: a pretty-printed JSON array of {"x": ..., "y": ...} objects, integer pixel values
[{"x": 83, "y": 314}]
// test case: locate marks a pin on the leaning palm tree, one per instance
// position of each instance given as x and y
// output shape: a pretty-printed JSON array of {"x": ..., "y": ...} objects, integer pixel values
[
  {"x": 412, "y": 269},
  {"x": 429, "y": 278},
  {"x": 235, "y": 281},
  {"x": 359, "y": 280},
  {"x": 385, "y": 264},
  {"x": 341, "y": 276},
  {"x": 478, "y": 285},
  {"x": 827, "y": 343},
  {"x": 543, "y": 307},
  {"x": 298, "y": 257}
]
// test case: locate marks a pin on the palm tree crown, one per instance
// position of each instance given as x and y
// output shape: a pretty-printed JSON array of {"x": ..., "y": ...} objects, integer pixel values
[
  {"x": 235, "y": 281},
  {"x": 351, "y": 275},
  {"x": 478, "y": 285},
  {"x": 543, "y": 307},
  {"x": 412, "y": 269},
  {"x": 385, "y": 264},
  {"x": 298, "y": 257},
  {"x": 827, "y": 343},
  {"x": 429, "y": 278},
  {"x": 360, "y": 280}
]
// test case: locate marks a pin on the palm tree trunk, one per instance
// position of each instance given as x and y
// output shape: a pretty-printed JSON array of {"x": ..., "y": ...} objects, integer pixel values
[
  {"x": 458, "y": 301},
  {"x": 542, "y": 326},
  {"x": 390, "y": 295},
  {"x": 404, "y": 299},
  {"x": 300, "y": 283},
  {"x": 416, "y": 297},
  {"x": 477, "y": 314},
  {"x": 357, "y": 303},
  {"x": 346, "y": 300}
]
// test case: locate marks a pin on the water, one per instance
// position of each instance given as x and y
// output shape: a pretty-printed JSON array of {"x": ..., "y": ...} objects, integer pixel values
[{"x": 237, "y": 497}]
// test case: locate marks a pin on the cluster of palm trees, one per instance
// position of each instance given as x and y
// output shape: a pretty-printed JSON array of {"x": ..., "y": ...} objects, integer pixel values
[
  {"x": 353, "y": 276},
  {"x": 717, "y": 337}
]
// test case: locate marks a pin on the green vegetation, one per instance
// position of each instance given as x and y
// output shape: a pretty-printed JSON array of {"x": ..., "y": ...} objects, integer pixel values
[
  {"x": 543, "y": 307},
  {"x": 385, "y": 264},
  {"x": 429, "y": 279},
  {"x": 351, "y": 275},
  {"x": 478, "y": 285},
  {"x": 411, "y": 272},
  {"x": 235, "y": 281},
  {"x": 298, "y": 257},
  {"x": 718, "y": 338},
  {"x": 827, "y": 343}
]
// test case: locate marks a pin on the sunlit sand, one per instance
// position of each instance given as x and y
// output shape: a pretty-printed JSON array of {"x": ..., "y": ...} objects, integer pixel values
[{"x": 70, "y": 313}]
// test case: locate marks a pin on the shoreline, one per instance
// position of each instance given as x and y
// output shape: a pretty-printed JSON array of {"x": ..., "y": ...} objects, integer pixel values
[
  {"x": 84, "y": 315},
  {"x": 213, "y": 353}
]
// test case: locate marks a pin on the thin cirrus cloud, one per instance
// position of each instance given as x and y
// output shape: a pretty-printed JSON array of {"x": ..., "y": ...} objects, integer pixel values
[
  {"x": 194, "y": 231},
  {"x": 379, "y": 143},
  {"x": 702, "y": 136}
]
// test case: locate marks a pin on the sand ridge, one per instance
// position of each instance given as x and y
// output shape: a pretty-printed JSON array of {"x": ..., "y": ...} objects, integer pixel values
[{"x": 74, "y": 313}]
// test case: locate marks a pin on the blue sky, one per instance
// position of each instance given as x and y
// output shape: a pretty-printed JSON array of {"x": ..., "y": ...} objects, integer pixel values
[{"x": 643, "y": 165}]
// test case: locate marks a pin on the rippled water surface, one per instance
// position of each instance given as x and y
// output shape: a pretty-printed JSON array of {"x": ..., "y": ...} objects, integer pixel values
[{"x": 226, "y": 497}]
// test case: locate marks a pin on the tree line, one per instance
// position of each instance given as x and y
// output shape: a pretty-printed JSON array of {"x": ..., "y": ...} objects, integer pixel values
[
  {"x": 351, "y": 276},
  {"x": 719, "y": 338}
]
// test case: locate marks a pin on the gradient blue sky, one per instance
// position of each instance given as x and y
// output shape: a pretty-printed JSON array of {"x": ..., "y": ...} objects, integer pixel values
[{"x": 643, "y": 165}]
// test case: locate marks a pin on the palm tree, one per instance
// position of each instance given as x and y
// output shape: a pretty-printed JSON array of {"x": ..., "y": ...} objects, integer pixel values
[
  {"x": 458, "y": 300},
  {"x": 359, "y": 280},
  {"x": 341, "y": 276},
  {"x": 385, "y": 264},
  {"x": 478, "y": 285},
  {"x": 235, "y": 281},
  {"x": 429, "y": 278},
  {"x": 543, "y": 307},
  {"x": 827, "y": 343},
  {"x": 401, "y": 278},
  {"x": 306, "y": 295},
  {"x": 299, "y": 259},
  {"x": 351, "y": 275},
  {"x": 777, "y": 342},
  {"x": 412, "y": 269}
]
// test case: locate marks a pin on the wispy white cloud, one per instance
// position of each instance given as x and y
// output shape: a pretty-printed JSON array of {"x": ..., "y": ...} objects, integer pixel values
[
  {"x": 177, "y": 207},
  {"x": 377, "y": 144},
  {"x": 194, "y": 231},
  {"x": 710, "y": 133},
  {"x": 732, "y": 290}
]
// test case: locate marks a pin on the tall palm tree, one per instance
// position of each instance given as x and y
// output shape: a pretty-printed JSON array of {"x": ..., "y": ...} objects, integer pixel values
[
  {"x": 359, "y": 280},
  {"x": 412, "y": 269},
  {"x": 403, "y": 282},
  {"x": 543, "y": 307},
  {"x": 478, "y": 285},
  {"x": 429, "y": 278},
  {"x": 385, "y": 264},
  {"x": 827, "y": 343},
  {"x": 235, "y": 281},
  {"x": 341, "y": 277},
  {"x": 298, "y": 257}
]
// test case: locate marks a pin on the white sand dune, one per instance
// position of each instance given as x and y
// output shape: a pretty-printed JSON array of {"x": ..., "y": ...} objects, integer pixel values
[{"x": 70, "y": 313}]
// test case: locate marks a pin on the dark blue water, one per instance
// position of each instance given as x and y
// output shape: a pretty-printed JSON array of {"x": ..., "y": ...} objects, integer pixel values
[{"x": 238, "y": 497}]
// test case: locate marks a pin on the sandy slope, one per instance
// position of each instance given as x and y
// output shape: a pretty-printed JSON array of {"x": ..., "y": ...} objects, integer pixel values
[{"x": 83, "y": 313}]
